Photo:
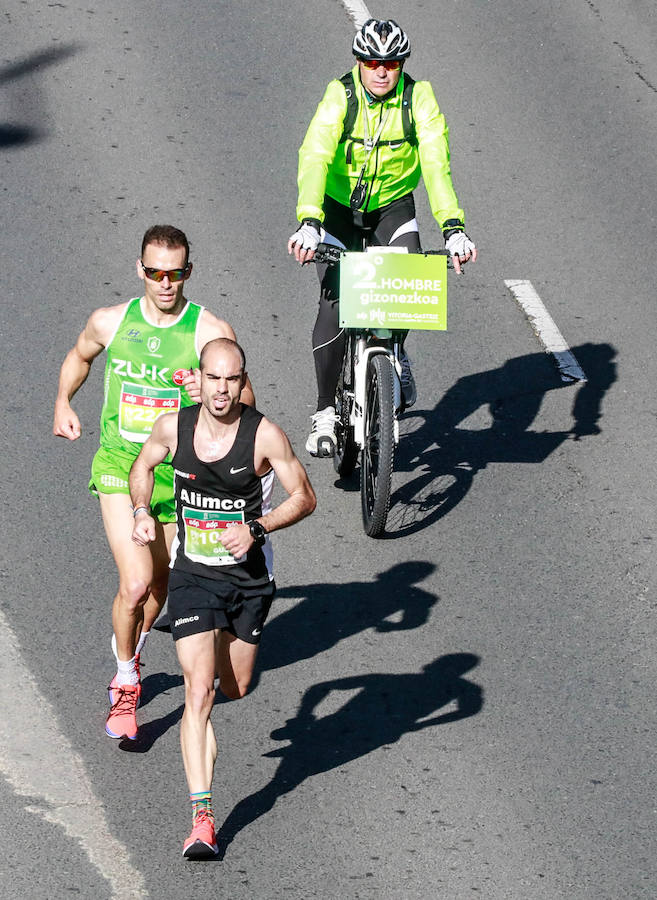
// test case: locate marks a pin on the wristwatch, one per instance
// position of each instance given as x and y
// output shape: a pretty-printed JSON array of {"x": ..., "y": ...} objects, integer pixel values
[{"x": 258, "y": 532}]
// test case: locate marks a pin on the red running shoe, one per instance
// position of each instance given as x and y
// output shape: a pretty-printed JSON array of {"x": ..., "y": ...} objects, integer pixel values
[
  {"x": 114, "y": 683},
  {"x": 202, "y": 842},
  {"x": 122, "y": 719}
]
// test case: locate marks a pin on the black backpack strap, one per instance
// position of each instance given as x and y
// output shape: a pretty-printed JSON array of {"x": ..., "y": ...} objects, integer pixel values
[
  {"x": 407, "y": 111},
  {"x": 352, "y": 110},
  {"x": 352, "y": 106}
]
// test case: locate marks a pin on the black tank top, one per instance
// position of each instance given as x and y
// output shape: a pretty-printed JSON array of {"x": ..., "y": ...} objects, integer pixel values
[{"x": 211, "y": 497}]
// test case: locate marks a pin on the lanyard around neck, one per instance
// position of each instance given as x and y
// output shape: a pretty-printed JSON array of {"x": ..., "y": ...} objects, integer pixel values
[{"x": 370, "y": 143}]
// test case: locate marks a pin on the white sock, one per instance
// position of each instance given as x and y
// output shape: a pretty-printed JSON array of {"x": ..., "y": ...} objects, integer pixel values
[
  {"x": 141, "y": 642},
  {"x": 126, "y": 672}
]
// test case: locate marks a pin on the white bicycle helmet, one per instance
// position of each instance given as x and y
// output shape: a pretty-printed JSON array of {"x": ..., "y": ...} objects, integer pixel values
[{"x": 381, "y": 39}]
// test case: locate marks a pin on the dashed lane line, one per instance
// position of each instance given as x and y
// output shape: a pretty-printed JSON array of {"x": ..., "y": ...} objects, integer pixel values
[
  {"x": 545, "y": 329},
  {"x": 358, "y": 11},
  {"x": 39, "y": 762}
]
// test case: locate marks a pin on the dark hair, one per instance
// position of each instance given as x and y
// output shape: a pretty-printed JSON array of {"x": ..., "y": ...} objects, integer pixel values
[
  {"x": 225, "y": 343},
  {"x": 168, "y": 236}
]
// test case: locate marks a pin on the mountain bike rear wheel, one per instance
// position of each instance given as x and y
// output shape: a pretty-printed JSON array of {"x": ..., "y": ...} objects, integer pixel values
[
  {"x": 377, "y": 456},
  {"x": 346, "y": 452}
]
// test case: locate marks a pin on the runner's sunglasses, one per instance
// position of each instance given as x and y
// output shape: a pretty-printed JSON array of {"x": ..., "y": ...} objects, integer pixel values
[
  {"x": 161, "y": 274},
  {"x": 389, "y": 64}
]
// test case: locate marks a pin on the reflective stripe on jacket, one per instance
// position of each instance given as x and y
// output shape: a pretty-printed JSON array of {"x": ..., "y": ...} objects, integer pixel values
[{"x": 327, "y": 166}]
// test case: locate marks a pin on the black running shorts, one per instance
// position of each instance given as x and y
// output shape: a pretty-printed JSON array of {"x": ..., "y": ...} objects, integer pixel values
[{"x": 198, "y": 604}]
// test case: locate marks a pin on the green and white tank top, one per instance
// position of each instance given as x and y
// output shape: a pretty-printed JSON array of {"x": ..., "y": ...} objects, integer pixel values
[{"x": 146, "y": 364}]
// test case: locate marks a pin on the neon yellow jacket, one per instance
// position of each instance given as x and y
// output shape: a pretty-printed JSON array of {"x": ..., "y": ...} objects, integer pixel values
[{"x": 393, "y": 171}]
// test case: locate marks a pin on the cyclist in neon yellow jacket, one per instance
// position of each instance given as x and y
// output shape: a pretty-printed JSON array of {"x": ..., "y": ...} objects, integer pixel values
[{"x": 375, "y": 133}]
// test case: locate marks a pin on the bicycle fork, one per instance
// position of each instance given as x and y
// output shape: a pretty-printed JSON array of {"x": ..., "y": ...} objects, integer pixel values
[{"x": 363, "y": 353}]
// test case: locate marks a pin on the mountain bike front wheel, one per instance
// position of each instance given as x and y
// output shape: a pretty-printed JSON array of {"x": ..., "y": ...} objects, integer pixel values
[{"x": 378, "y": 453}]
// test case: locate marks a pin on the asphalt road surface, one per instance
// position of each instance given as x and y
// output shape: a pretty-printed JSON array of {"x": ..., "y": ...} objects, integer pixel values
[{"x": 464, "y": 707}]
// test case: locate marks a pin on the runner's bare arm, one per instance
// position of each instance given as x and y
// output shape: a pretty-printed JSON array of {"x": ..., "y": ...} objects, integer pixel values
[
  {"x": 212, "y": 327},
  {"x": 92, "y": 341},
  {"x": 162, "y": 440},
  {"x": 273, "y": 449}
]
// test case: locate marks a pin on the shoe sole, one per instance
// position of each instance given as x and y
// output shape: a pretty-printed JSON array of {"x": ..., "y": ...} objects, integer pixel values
[
  {"x": 200, "y": 850},
  {"x": 130, "y": 737}
]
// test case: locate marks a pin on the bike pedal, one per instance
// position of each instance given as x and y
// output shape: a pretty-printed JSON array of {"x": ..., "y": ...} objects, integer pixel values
[{"x": 325, "y": 448}]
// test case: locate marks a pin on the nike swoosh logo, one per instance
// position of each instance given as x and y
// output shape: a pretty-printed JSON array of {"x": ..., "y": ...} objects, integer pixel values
[
  {"x": 234, "y": 471},
  {"x": 256, "y": 632}
]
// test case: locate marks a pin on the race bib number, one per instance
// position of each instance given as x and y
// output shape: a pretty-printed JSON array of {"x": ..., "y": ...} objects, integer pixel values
[
  {"x": 140, "y": 406},
  {"x": 203, "y": 536}
]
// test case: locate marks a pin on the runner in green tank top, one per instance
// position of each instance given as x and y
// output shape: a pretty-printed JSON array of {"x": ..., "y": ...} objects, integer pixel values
[
  {"x": 144, "y": 377},
  {"x": 153, "y": 345}
]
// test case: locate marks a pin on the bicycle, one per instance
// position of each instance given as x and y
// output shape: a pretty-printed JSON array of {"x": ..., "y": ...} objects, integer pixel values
[{"x": 368, "y": 403}]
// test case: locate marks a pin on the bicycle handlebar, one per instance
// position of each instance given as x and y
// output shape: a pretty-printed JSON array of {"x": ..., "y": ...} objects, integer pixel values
[{"x": 330, "y": 254}]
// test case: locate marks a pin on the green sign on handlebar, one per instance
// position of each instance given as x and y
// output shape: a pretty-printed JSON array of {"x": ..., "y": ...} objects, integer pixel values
[{"x": 393, "y": 290}]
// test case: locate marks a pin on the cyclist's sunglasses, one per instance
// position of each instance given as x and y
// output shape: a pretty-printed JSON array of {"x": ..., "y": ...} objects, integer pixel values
[
  {"x": 389, "y": 64},
  {"x": 161, "y": 274}
]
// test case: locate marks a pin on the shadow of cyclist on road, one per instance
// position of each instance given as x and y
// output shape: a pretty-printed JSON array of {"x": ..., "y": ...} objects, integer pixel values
[
  {"x": 445, "y": 456},
  {"x": 381, "y": 710}
]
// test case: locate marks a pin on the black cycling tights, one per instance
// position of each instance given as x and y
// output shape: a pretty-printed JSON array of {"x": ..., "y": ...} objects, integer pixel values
[{"x": 392, "y": 225}]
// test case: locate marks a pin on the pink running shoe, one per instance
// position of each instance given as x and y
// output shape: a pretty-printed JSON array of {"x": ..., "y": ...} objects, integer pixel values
[
  {"x": 122, "y": 719},
  {"x": 202, "y": 842},
  {"x": 113, "y": 685}
]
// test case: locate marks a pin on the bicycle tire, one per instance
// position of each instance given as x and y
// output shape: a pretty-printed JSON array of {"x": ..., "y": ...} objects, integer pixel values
[
  {"x": 378, "y": 453},
  {"x": 346, "y": 451}
]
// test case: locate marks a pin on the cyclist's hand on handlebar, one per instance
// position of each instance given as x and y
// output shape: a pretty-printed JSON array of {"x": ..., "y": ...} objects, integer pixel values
[
  {"x": 304, "y": 241},
  {"x": 461, "y": 249}
]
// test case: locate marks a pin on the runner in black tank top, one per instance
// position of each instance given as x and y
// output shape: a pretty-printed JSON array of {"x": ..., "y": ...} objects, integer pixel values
[
  {"x": 212, "y": 496},
  {"x": 219, "y": 589}
]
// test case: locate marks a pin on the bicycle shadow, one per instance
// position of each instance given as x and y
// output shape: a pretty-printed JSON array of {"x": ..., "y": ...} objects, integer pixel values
[
  {"x": 447, "y": 455},
  {"x": 382, "y": 710},
  {"x": 330, "y": 613}
]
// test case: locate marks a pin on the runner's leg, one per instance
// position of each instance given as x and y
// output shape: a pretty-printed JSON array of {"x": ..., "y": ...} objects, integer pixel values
[
  {"x": 161, "y": 552},
  {"x": 138, "y": 567},
  {"x": 235, "y": 663},
  {"x": 196, "y": 654}
]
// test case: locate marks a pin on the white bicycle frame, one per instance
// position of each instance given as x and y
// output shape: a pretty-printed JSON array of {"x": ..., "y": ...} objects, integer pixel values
[{"x": 362, "y": 355}]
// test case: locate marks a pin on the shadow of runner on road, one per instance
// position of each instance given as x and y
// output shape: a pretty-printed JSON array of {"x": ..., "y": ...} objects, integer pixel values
[
  {"x": 28, "y": 103},
  {"x": 158, "y": 683},
  {"x": 384, "y": 709},
  {"x": 445, "y": 457},
  {"x": 149, "y": 732},
  {"x": 330, "y": 613}
]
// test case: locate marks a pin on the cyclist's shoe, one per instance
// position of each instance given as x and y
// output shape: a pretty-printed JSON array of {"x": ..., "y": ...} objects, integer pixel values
[
  {"x": 409, "y": 391},
  {"x": 122, "y": 719},
  {"x": 114, "y": 684},
  {"x": 202, "y": 842},
  {"x": 322, "y": 439}
]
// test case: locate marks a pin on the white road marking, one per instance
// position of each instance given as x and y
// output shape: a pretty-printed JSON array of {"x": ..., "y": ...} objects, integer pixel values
[
  {"x": 39, "y": 762},
  {"x": 545, "y": 329},
  {"x": 358, "y": 11}
]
